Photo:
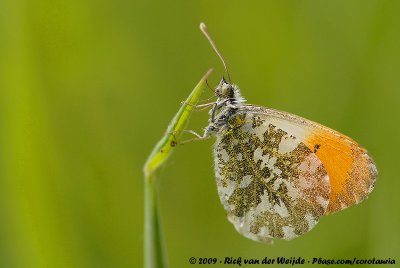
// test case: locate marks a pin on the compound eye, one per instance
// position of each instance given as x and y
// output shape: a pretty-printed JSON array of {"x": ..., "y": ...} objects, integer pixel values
[{"x": 226, "y": 89}]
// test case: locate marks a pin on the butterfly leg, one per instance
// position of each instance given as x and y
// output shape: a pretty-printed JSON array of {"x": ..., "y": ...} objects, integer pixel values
[
  {"x": 199, "y": 107},
  {"x": 197, "y": 138}
]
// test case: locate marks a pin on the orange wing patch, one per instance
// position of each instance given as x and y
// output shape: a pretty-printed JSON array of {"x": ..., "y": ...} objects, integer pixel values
[{"x": 351, "y": 170}]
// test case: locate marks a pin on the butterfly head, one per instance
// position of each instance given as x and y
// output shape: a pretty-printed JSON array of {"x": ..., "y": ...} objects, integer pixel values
[
  {"x": 228, "y": 93},
  {"x": 224, "y": 90}
]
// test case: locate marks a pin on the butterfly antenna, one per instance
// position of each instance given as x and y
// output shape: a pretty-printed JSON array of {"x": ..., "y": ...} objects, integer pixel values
[
  {"x": 204, "y": 29},
  {"x": 208, "y": 85}
]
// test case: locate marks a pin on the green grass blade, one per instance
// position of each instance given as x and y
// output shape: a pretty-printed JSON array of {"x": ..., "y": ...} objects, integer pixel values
[
  {"x": 154, "y": 256},
  {"x": 163, "y": 149}
]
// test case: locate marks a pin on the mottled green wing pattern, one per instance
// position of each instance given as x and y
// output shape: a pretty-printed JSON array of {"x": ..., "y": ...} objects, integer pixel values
[{"x": 270, "y": 184}]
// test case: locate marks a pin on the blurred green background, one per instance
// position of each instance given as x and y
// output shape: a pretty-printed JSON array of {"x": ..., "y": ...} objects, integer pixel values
[{"x": 88, "y": 87}]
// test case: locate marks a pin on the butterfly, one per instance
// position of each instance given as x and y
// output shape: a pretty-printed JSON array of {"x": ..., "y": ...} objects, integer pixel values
[{"x": 277, "y": 173}]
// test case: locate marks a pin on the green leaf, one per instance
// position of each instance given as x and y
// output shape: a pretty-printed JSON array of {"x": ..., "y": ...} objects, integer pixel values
[
  {"x": 165, "y": 146},
  {"x": 154, "y": 256}
]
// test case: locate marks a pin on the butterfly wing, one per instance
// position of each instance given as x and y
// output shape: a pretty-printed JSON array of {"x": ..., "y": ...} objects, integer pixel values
[
  {"x": 351, "y": 170},
  {"x": 269, "y": 182},
  {"x": 278, "y": 173}
]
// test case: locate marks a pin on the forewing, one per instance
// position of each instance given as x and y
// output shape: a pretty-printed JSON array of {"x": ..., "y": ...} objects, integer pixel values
[
  {"x": 269, "y": 182},
  {"x": 351, "y": 170}
]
